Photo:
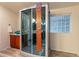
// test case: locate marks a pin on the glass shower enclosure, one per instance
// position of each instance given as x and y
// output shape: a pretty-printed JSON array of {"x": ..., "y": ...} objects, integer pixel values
[{"x": 34, "y": 30}]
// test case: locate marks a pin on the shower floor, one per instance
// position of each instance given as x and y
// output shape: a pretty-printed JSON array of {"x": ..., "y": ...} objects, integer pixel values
[{"x": 33, "y": 50}]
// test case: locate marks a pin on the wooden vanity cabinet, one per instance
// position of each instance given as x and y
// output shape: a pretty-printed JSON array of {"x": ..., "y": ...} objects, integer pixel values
[{"x": 15, "y": 41}]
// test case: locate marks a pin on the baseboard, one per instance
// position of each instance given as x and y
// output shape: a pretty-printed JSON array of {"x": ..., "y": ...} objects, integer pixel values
[{"x": 4, "y": 48}]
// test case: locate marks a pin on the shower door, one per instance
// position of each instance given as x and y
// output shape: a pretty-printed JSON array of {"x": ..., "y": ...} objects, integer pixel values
[{"x": 34, "y": 30}]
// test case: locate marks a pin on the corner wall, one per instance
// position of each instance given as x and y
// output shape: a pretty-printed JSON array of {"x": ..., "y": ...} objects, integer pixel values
[{"x": 6, "y": 17}]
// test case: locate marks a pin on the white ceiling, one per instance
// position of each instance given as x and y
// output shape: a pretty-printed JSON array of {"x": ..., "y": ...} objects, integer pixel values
[{"x": 16, "y": 6}]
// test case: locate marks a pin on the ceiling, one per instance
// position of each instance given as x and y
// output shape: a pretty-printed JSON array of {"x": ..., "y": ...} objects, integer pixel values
[{"x": 16, "y": 6}]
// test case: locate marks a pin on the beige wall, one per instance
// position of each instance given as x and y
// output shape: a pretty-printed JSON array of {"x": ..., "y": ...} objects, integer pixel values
[
  {"x": 6, "y": 17},
  {"x": 68, "y": 42}
]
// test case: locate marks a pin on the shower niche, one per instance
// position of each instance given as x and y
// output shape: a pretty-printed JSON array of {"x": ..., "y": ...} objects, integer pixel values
[{"x": 34, "y": 30}]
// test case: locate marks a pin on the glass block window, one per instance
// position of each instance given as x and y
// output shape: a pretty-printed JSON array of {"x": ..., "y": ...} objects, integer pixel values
[{"x": 59, "y": 23}]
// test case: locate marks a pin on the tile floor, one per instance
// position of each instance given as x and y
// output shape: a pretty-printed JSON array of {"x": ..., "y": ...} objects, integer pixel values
[
  {"x": 11, "y": 52},
  {"x": 54, "y": 53}
]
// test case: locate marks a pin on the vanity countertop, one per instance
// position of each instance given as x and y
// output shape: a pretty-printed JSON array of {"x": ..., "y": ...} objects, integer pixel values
[{"x": 15, "y": 34}]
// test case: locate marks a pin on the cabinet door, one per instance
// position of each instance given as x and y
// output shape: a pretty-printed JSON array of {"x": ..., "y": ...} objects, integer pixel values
[
  {"x": 17, "y": 42},
  {"x": 12, "y": 41}
]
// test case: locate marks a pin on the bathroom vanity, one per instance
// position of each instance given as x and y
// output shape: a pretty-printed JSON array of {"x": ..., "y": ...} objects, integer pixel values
[{"x": 15, "y": 41}]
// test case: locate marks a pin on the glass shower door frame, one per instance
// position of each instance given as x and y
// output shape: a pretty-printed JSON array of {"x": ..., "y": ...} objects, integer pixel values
[{"x": 46, "y": 40}]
